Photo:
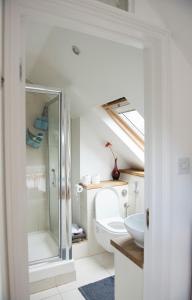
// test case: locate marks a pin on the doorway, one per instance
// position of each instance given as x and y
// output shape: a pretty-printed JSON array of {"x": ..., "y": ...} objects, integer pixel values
[{"x": 18, "y": 128}]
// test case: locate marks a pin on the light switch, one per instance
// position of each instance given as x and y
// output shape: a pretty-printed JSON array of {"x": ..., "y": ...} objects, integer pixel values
[{"x": 184, "y": 165}]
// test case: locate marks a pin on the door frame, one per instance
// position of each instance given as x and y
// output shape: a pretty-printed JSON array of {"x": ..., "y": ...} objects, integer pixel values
[{"x": 97, "y": 19}]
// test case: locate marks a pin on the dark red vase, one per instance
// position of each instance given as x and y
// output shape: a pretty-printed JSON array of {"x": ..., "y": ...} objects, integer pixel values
[{"x": 115, "y": 173}]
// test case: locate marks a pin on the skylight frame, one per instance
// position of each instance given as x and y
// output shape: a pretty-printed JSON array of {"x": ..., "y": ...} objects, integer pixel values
[{"x": 114, "y": 109}]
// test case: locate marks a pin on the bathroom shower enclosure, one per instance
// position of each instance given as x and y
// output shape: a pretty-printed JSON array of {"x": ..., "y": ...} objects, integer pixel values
[{"x": 47, "y": 175}]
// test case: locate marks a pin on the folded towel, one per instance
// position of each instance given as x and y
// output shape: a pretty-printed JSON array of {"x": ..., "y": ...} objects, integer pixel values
[
  {"x": 78, "y": 237},
  {"x": 76, "y": 229}
]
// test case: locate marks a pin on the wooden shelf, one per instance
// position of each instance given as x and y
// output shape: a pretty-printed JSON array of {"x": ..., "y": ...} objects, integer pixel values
[
  {"x": 104, "y": 184},
  {"x": 133, "y": 172},
  {"x": 128, "y": 247}
]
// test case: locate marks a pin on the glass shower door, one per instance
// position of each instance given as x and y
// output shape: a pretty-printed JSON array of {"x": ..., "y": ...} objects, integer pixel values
[
  {"x": 54, "y": 167},
  {"x": 47, "y": 175}
]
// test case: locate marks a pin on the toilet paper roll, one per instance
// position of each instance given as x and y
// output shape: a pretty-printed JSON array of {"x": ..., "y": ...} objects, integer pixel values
[{"x": 78, "y": 188}]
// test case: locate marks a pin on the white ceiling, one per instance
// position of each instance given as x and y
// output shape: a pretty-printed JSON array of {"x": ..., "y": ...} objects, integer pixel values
[{"x": 103, "y": 71}]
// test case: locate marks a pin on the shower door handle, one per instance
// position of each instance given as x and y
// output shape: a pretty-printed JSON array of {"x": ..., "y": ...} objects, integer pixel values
[{"x": 53, "y": 177}]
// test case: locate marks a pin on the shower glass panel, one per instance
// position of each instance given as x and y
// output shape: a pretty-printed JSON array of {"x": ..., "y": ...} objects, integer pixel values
[
  {"x": 46, "y": 170},
  {"x": 54, "y": 166}
]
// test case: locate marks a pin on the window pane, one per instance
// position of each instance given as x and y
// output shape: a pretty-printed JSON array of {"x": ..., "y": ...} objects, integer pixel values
[{"x": 134, "y": 120}]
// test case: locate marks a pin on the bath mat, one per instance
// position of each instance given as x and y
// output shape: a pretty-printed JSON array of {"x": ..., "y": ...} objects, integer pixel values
[{"x": 99, "y": 290}]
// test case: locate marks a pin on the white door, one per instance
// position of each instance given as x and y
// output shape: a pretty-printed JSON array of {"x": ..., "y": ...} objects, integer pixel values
[{"x": 3, "y": 267}]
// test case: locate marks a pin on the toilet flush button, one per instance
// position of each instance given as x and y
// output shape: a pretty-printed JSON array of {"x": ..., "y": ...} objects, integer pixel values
[{"x": 184, "y": 165}]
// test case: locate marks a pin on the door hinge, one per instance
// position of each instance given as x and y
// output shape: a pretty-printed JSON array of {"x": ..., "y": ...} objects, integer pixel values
[
  {"x": 147, "y": 217},
  {"x": 20, "y": 72}
]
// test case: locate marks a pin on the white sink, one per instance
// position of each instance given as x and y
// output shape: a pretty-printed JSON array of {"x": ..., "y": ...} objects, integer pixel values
[{"x": 135, "y": 226}]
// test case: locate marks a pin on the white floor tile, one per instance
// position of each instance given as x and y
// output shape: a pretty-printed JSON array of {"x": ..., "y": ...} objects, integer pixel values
[
  {"x": 89, "y": 270},
  {"x": 67, "y": 287},
  {"x": 44, "y": 294},
  {"x": 106, "y": 260},
  {"x": 73, "y": 295}
]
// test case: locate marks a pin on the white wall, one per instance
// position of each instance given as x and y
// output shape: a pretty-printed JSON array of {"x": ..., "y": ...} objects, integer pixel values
[
  {"x": 136, "y": 193},
  {"x": 89, "y": 155},
  {"x": 94, "y": 157},
  {"x": 178, "y": 19},
  {"x": 144, "y": 11},
  {"x": 181, "y": 188}
]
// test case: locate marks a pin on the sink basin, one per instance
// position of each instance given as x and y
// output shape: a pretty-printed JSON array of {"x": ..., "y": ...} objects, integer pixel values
[{"x": 135, "y": 226}]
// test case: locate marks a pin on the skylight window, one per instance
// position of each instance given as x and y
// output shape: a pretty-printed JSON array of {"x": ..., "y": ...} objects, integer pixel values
[
  {"x": 127, "y": 118},
  {"x": 134, "y": 120}
]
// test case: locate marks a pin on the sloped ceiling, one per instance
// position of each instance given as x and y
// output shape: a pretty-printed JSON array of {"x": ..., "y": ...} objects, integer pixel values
[
  {"x": 103, "y": 71},
  {"x": 177, "y": 15},
  {"x": 36, "y": 38}
]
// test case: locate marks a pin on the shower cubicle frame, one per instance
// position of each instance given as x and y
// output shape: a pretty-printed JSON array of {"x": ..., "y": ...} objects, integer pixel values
[{"x": 65, "y": 241}]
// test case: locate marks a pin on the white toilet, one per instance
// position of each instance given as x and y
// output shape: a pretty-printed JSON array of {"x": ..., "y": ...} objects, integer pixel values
[{"x": 108, "y": 223}]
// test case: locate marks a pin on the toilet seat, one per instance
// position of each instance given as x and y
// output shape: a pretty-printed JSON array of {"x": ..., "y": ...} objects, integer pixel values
[{"x": 113, "y": 225}]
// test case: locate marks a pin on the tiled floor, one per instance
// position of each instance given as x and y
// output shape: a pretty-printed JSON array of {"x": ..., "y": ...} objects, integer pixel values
[{"x": 89, "y": 269}]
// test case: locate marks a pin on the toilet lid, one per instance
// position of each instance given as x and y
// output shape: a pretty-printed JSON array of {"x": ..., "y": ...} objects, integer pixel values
[{"x": 106, "y": 204}]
